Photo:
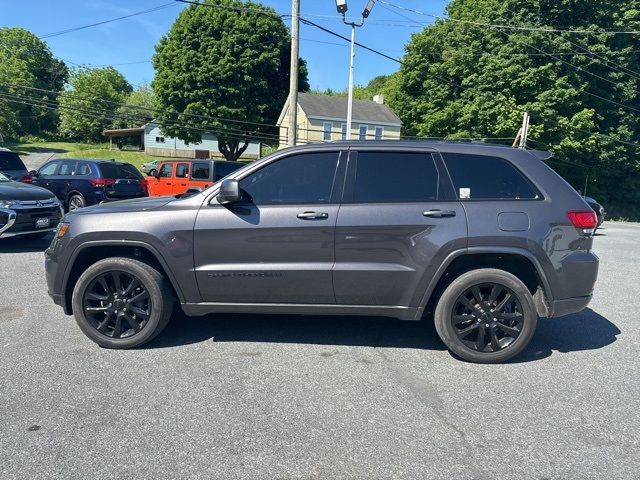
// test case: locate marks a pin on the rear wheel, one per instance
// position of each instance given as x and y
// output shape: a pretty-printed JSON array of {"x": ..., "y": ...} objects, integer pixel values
[
  {"x": 153, "y": 172},
  {"x": 486, "y": 316},
  {"x": 75, "y": 202},
  {"x": 122, "y": 302}
]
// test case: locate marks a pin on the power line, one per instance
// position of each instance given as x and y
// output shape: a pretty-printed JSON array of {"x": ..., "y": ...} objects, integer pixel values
[
  {"x": 513, "y": 27},
  {"x": 82, "y": 27}
]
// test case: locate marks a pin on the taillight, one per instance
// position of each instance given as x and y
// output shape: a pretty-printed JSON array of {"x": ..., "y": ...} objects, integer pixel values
[
  {"x": 102, "y": 182},
  {"x": 27, "y": 179},
  {"x": 583, "y": 220}
]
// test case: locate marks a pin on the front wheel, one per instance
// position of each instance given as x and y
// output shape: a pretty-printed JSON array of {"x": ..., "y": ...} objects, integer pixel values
[
  {"x": 122, "y": 302},
  {"x": 486, "y": 316}
]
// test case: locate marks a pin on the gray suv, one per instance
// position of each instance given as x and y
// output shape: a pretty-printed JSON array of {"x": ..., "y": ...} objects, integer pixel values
[{"x": 480, "y": 239}]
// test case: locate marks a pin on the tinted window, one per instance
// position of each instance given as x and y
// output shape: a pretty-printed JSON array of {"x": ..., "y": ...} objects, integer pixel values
[
  {"x": 83, "y": 169},
  {"x": 68, "y": 168},
  {"x": 11, "y": 161},
  {"x": 395, "y": 177},
  {"x": 48, "y": 169},
  {"x": 224, "y": 169},
  {"x": 182, "y": 170},
  {"x": 300, "y": 179},
  {"x": 115, "y": 171},
  {"x": 486, "y": 177},
  {"x": 201, "y": 171}
]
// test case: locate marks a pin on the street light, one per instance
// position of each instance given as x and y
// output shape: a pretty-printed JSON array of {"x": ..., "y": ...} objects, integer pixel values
[{"x": 341, "y": 6}]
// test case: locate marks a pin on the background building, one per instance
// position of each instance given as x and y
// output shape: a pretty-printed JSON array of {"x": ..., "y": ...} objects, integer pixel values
[{"x": 324, "y": 118}]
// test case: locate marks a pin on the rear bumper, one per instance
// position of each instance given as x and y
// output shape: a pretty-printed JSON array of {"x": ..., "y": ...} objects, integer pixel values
[{"x": 568, "y": 306}]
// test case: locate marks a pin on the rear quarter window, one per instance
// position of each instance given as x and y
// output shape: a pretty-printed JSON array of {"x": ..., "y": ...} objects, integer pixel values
[
  {"x": 485, "y": 177},
  {"x": 116, "y": 171}
]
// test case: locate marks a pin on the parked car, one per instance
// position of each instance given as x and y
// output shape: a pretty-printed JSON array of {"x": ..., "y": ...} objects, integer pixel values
[
  {"x": 80, "y": 182},
  {"x": 485, "y": 238},
  {"x": 26, "y": 210},
  {"x": 175, "y": 177},
  {"x": 596, "y": 207},
  {"x": 12, "y": 166},
  {"x": 150, "y": 168}
]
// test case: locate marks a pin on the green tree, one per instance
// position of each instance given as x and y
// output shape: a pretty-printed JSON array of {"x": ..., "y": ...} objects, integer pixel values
[
  {"x": 229, "y": 62},
  {"x": 89, "y": 106},
  {"x": 26, "y": 61},
  {"x": 461, "y": 77},
  {"x": 137, "y": 109}
]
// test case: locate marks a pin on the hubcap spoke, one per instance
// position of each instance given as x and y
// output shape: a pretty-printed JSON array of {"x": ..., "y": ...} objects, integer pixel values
[
  {"x": 466, "y": 331},
  {"x": 504, "y": 301},
  {"x": 480, "y": 325},
  {"x": 512, "y": 332},
  {"x": 117, "y": 304}
]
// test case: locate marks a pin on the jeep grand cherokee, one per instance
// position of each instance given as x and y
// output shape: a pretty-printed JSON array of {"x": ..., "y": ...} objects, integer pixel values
[{"x": 479, "y": 238}]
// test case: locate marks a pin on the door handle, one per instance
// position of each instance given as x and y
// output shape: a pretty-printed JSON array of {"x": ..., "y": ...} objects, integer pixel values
[
  {"x": 313, "y": 215},
  {"x": 439, "y": 213}
]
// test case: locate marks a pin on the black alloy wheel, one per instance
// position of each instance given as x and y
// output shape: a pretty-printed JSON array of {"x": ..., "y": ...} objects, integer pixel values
[
  {"x": 117, "y": 304},
  {"x": 487, "y": 317}
]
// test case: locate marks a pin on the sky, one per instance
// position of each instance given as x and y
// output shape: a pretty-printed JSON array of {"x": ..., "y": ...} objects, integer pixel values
[{"x": 128, "y": 44}]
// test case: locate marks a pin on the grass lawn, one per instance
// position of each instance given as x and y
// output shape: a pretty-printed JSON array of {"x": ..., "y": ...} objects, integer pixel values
[{"x": 83, "y": 150}]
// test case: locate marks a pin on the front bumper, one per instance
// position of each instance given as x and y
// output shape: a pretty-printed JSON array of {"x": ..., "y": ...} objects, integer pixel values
[{"x": 21, "y": 219}]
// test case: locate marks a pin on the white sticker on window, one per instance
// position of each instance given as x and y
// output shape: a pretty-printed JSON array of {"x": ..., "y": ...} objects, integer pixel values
[{"x": 465, "y": 193}]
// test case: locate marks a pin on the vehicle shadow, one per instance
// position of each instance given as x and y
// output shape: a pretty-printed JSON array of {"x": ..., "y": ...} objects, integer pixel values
[
  {"x": 305, "y": 329},
  {"x": 586, "y": 330},
  {"x": 25, "y": 245}
]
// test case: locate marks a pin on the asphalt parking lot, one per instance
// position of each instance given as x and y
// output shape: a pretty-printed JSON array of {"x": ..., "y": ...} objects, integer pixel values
[{"x": 239, "y": 396}]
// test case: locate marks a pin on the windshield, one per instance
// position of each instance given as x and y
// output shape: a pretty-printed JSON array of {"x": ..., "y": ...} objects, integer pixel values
[
  {"x": 11, "y": 161},
  {"x": 3, "y": 178}
]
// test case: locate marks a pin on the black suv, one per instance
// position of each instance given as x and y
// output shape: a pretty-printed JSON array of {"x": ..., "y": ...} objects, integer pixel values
[
  {"x": 482, "y": 239},
  {"x": 81, "y": 182}
]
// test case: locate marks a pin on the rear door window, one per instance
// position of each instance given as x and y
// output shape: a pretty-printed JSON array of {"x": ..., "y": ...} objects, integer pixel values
[
  {"x": 393, "y": 177},
  {"x": 485, "y": 177},
  {"x": 11, "y": 161},
  {"x": 201, "y": 171},
  {"x": 68, "y": 168},
  {"x": 182, "y": 170}
]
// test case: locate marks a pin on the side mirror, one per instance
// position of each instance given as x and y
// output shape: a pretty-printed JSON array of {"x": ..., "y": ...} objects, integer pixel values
[
  {"x": 33, "y": 173},
  {"x": 229, "y": 191}
]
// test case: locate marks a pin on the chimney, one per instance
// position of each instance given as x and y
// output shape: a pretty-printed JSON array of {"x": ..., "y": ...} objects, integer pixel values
[{"x": 379, "y": 99}]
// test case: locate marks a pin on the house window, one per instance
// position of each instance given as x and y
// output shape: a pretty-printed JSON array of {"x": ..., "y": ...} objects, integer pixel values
[
  {"x": 363, "y": 132},
  {"x": 326, "y": 131},
  {"x": 159, "y": 139},
  {"x": 379, "y": 133},
  {"x": 343, "y": 131}
]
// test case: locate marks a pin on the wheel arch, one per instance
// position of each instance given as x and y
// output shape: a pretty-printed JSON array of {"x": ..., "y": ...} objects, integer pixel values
[
  {"x": 519, "y": 262},
  {"x": 91, "y": 252}
]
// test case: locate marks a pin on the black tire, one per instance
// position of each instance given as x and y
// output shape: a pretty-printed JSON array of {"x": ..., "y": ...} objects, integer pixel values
[
  {"x": 75, "y": 202},
  {"x": 465, "y": 324},
  {"x": 152, "y": 172},
  {"x": 152, "y": 283}
]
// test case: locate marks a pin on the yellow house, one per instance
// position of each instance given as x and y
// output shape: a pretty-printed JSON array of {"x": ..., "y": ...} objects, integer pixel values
[{"x": 323, "y": 118}]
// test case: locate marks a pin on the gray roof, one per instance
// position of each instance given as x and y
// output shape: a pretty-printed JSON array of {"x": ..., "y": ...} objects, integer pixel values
[{"x": 336, "y": 107}]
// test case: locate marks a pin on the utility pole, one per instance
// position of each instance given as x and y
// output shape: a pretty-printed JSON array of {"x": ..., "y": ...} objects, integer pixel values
[{"x": 292, "y": 129}]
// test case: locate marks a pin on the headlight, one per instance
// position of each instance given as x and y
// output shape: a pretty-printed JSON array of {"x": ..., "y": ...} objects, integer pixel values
[{"x": 6, "y": 203}]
